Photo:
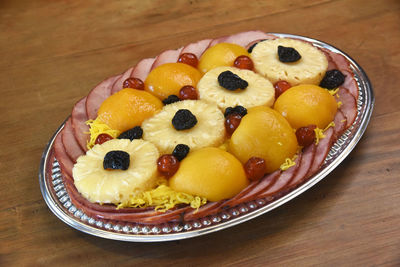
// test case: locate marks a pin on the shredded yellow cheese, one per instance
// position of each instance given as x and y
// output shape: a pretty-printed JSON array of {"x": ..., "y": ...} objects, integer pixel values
[
  {"x": 97, "y": 127},
  {"x": 288, "y": 163},
  {"x": 319, "y": 133},
  {"x": 339, "y": 104},
  {"x": 163, "y": 198},
  {"x": 333, "y": 92}
]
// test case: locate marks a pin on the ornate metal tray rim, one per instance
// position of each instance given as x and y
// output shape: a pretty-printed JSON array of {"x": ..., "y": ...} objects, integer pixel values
[{"x": 75, "y": 218}]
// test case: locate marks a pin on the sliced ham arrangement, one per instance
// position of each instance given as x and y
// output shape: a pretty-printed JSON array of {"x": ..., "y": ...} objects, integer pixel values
[
  {"x": 71, "y": 142},
  {"x": 100, "y": 93}
]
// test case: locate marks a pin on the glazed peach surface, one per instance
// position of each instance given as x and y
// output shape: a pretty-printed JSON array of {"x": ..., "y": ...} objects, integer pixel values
[
  {"x": 128, "y": 108},
  {"x": 307, "y": 104},
  {"x": 210, "y": 172},
  {"x": 264, "y": 133},
  {"x": 222, "y": 54},
  {"x": 169, "y": 78}
]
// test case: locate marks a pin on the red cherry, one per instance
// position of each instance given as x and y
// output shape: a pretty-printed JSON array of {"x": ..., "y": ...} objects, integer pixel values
[
  {"x": 189, "y": 58},
  {"x": 102, "y": 138},
  {"x": 306, "y": 135},
  {"x": 280, "y": 87},
  {"x": 188, "y": 92},
  {"x": 243, "y": 62},
  {"x": 167, "y": 165},
  {"x": 232, "y": 122},
  {"x": 255, "y": 168},
  {"x": 134, "y": 83}
]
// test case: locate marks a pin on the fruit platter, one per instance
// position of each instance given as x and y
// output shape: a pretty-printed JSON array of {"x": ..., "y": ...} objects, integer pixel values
[{"x": 205, "y": 137}]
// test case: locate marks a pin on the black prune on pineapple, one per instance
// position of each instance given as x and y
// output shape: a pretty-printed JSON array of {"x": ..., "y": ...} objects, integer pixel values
[
  {"x": 116, "y": 160},
  {"x": 288, "y": 54},
  {"x": 181, "y": 151},
  {"x": 184, "y": 119},
  {"x": 134, "y": 133},
  {"x": 231, "y": 81},
  {"x": 171, "y": 99},
  {"x": 240, "y": 110}
]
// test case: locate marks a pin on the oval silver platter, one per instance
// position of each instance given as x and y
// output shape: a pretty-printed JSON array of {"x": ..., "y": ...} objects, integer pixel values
[{"x": 57, "y": 199}]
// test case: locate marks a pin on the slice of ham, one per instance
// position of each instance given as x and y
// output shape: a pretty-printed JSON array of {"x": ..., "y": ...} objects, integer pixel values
[
  {"x": 269, "y": 37},
  {"x": 217, "y": 41},
  {"x": 348, "y": 106},
  {"x": 168, "y": 56},
  {"x": 341, "y": 62},
  {"x": 206, "y": 210},
  {"x": 72, "y": 147},
  {"x": 117, "y": 86},
  {"x": 304, "y": 166},
  {"x": 197, "y": 48},
  {"x": 63, "y": 159},
  {"x": 350, "y": 83},
  {"x": 252, "y": 194},
  {"x": 283, "y": 180},
  {"x": 79, "y": 118},
  {"x": 244, "y": 38},
  {"x": 331, "y": 64},
  {"x": 340, "y": 124},
  {"x": 343, "y": 65},
  {"x": 322, "y": 151},
  {"x": 98, "y": 95},
  {"x": 142, "y": 69}
]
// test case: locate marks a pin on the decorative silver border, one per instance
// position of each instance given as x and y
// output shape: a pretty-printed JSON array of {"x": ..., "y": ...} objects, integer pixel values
[{"x": 62, "y": 207}]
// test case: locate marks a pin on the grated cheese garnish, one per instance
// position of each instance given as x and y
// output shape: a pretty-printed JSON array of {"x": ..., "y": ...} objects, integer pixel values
[
  {"x": 319, "y": 133},
  {"x": 288, "y": 163},
  {"x": 163, "y": 198},
  {"x": 333, "y": 92},
  {"x": 97, "y": 127}
]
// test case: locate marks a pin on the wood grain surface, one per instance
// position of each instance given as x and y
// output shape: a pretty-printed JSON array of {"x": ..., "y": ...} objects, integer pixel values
[{"x": 53, "y": 52}]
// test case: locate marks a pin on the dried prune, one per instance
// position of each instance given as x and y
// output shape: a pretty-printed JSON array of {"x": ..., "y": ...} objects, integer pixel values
[
  {"x": 184, "y": 119},
  {"x": 231, "y": 81},
  {"x": 116, "y": 160},
  {"x": 332, "y": 79},
  {"x": 288, "y": 54},
  {"x": 171, "y": 99},
  {"x": 181, "y": 151},
  {"x": 134, "y": 133},
  {"x": 240, "y": 110}
]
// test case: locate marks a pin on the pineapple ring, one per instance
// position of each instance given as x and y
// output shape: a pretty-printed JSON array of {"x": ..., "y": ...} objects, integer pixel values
[
  {"x": 209, "y": 130},
  {"x": 116, "y": 186},
  {"x": 259, "y": 92},
  {"x": 309, "y": 69}
]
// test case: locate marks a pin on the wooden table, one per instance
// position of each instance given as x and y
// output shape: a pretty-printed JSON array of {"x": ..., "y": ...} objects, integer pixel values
[{"x": 53, "y": 52}]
